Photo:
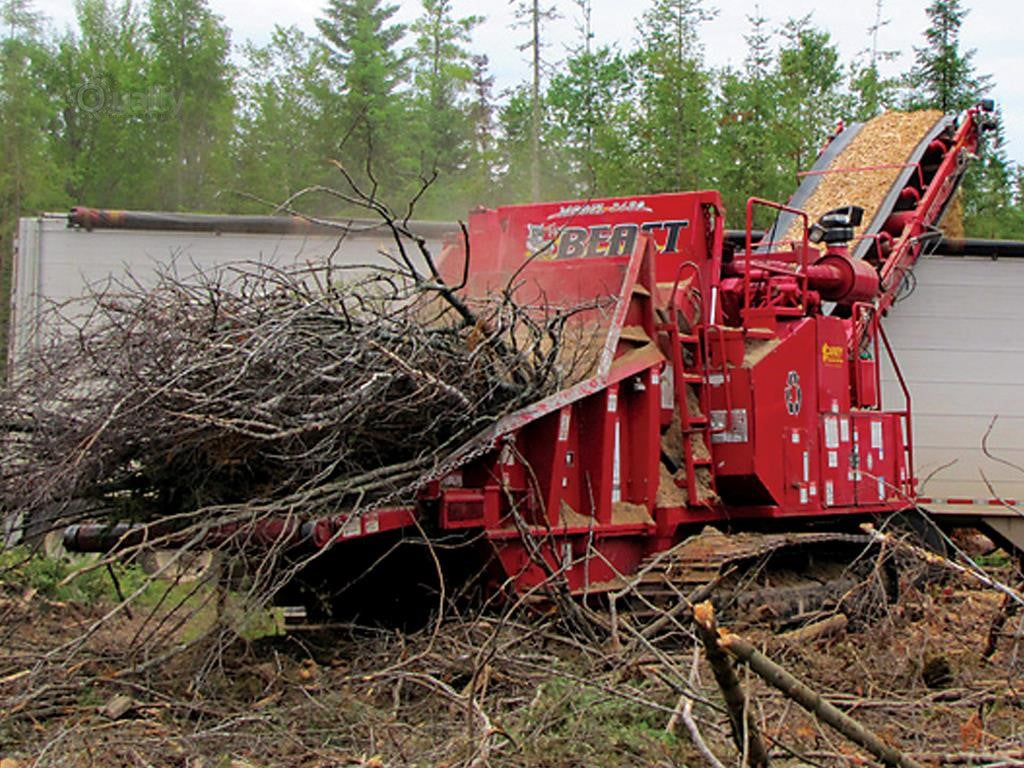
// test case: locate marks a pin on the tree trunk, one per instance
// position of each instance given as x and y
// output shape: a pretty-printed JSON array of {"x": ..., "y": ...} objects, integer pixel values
[
  {"x": 745, "y": 732},
  {"x": 779, "y": 678}
]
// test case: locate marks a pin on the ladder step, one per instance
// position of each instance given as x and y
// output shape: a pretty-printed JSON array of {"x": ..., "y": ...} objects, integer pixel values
[{"x": 634, "y": 333}]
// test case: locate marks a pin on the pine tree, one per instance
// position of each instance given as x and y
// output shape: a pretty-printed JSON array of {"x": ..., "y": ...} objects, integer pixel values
[
  {"x": 991, "y": 205},
  {"x": 190, "y": 48},
  {"x": 589, "y": 103},
  {"x": 810, "y": 101},
  {"x": 443, "y": 71},
  {"x": 943, "y": 76},
  {"x": 675, "y": 125},
  {"x": 746, "y": 153},
  {"x": 284, "y": 132},
  {"x": 482, "y": 110},
  {"x": 533, "y": 15},
  {"x": 361, "y": 53},
  {"x": 872, "y": 92}
]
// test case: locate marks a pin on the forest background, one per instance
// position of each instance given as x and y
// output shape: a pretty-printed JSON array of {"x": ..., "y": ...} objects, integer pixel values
[{"x": 151, "y": 106}]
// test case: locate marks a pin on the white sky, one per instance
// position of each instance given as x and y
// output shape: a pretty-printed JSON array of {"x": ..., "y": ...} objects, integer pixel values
[{"x": 990, "y": 28}]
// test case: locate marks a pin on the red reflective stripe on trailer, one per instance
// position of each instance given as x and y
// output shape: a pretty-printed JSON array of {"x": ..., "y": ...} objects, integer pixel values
[{"x": 969, "y": 502}]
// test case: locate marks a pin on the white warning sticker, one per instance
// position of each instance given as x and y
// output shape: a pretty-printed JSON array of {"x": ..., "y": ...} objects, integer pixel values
[
  {"x": 831, "y": 432},
  {"x": 565, "y": 418}
]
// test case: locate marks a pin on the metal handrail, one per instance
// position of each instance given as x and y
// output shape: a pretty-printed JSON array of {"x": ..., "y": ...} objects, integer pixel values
[{"x": 753, "y": 201}]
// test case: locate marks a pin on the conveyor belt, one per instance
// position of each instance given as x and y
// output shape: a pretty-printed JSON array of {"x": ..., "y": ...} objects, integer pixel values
[{"x": 833, "y": 157}]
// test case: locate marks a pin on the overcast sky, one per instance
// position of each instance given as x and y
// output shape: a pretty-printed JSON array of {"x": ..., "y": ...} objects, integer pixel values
[{"x": 990, "y": 28}]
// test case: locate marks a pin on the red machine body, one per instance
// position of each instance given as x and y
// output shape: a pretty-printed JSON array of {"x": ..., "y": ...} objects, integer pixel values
[
  {"x": 702, "y": 409},
  {"x": 732, "y": 386}
]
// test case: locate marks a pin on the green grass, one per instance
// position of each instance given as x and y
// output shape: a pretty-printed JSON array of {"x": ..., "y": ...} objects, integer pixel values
[
  {"x": 79, "y": 579},
  {"x": 996, "y": 559},
  {"x": 71, "y": 579}
]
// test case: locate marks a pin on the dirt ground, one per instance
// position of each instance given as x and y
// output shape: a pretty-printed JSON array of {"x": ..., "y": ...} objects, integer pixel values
[{"x": 503, "y": 687}]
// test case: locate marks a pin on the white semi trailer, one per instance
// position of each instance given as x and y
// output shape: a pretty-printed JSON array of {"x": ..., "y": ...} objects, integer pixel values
[
  {"x": 60, "y": 258},
  {"x": 958, "y": 336}
]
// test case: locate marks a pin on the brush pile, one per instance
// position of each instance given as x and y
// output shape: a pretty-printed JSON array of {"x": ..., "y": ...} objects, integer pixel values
[{"x": 261, "y": 390}]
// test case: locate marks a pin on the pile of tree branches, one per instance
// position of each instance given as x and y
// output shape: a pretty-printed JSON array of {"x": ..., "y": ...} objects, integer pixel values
[{"x": 262, "y": 390}]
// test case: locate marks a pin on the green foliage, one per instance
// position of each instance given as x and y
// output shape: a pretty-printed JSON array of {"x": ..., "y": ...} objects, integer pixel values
[
  {"x": 192, "y": 123},
  {"x": 442, "y": 73},
  {"x": 590, "y": 105},
  {"x": 748, "y": 149},
  {"x": 284, "y": 125},
  {"x": 69, "y": 579},
  {"x": 587, "y": 726},
  {"x": 362, "y": 54},
  {"x": 943, "y": 76},
  {"x": 30, "y": 170},
  {"x": 674, "y": 122},
  {"x": 991, "y": 192},
  {"x": 140, "y": 106},
  {"x": 809, "y": 98}
]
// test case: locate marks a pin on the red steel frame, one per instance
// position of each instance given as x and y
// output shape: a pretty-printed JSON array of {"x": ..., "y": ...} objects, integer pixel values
[{"x": 783, "y": 419}]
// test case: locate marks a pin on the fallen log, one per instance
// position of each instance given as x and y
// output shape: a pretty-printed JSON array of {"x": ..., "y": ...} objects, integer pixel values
[
  {"x": 833, "y": 625},
  {"x": 812, "y": 701}
]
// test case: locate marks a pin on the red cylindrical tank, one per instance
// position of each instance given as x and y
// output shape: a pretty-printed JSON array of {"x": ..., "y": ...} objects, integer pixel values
[{"x": 839, "y": 278}]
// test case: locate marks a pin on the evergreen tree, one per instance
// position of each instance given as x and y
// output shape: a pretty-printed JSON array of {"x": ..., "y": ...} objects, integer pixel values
[
  {"x": 675, "y": 124},
  {"x": 533, "y": 15},
  {"x": 809, "y": 98},
  {"x": 591, "y": 103},
  {"x": 991, "y": 207},
  {"x": 482, "y": 116},
  {"x": 872, "y": 92},
  {"x": 284, "y": 131},
  {"x": 747, "y": 152},
  {"x": 443, "y": 71},
  {"x": 943, "y": 76},
  {"x": 361, "y": 53},
  {"x": 190, "y": 64}
]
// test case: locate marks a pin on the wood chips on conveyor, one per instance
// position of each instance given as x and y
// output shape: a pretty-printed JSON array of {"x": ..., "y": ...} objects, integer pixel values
[{"x": 887, "y": 140}]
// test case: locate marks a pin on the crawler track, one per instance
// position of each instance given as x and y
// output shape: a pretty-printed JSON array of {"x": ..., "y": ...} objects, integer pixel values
[{"x": 761, "y": 578}]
